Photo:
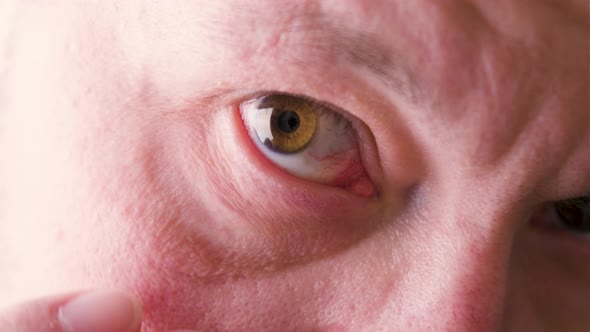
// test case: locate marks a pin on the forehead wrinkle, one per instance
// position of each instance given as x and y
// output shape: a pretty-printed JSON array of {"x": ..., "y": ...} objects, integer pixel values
[
  {"x": 304, "y": 34},
  {"x": 313, "y": 36}
]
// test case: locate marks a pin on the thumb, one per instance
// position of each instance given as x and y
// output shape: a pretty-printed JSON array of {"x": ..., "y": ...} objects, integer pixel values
[{"x": 81, "y": 312}]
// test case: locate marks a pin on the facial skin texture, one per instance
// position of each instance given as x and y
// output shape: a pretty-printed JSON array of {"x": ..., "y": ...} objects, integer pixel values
[{"x": 125, "y": 165}]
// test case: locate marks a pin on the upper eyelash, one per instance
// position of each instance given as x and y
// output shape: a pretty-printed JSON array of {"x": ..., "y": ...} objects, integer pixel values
[
  {"x": 322, "y": 104},
  {"x": 576, "y": 200}
]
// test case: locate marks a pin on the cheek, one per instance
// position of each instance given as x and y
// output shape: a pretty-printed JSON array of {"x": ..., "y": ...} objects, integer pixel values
[
  {"x": 544, "y": 259},
  {"x": 176, "y": 213}
]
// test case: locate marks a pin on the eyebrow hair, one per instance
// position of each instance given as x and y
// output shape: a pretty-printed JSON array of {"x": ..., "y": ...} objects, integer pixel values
[
  {"x": 361, "y": 49},
  {"x": 316, "y": 35},
  {"x": 389, "y": 66}
]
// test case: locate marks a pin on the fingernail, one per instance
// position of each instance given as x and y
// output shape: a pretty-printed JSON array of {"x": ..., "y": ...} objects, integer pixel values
[{"x": 100, "y": 311}]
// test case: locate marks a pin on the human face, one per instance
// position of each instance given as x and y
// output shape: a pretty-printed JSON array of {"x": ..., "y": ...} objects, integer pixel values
[{"x": 126, "y": 164}]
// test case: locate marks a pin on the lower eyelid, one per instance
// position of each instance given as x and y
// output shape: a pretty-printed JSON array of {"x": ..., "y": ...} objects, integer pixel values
[
  {"x": 322, "y": 170},
  {"x": 562, "y": 240},
  {"x": 274, "y": 220},
  {"x": 544, "y": 222}
]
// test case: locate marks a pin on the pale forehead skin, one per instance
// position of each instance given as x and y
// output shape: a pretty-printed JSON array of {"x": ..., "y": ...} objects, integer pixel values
[{"x": 123, "y": 165}]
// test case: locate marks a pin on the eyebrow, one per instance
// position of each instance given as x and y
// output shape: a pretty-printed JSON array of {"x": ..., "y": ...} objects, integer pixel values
[
  {"x": 389, "y": 66},
  {"x": 361, "y": 49}
]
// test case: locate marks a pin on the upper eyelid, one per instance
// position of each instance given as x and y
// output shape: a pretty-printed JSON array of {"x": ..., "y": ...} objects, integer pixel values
[
  {"x": 585, "y": 198},
  {"x": 354, "y": 120},
  {"x": 326, "y": 108}
]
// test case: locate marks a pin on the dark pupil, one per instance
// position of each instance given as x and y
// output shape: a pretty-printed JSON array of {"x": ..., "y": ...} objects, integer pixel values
[
  {"x": 288, "y": 121},
  {"x": 576, "y": 217}
]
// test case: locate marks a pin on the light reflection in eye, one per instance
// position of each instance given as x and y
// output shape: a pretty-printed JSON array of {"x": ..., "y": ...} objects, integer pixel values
[{"x": 305, "y": 138}]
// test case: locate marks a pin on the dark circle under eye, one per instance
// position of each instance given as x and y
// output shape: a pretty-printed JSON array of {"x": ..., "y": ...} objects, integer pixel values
[
  {"x": 574, "y": 214},
  {"x": 288, "y": 121}
]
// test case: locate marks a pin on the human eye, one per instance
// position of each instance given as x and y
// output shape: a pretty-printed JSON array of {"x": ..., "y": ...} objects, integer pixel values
[
  {"x": 569, "y": 215},
  {"x": 574, "y": 214},
  {"x": 567, "y": 220},
  {"x": 308, "y": 139}
]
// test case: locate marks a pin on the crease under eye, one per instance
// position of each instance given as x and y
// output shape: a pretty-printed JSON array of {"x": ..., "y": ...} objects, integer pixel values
[{"x": 307, "y": 139}]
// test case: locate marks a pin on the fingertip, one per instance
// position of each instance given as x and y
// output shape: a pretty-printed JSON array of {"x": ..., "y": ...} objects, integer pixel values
[{"x": 96, "y": 311}]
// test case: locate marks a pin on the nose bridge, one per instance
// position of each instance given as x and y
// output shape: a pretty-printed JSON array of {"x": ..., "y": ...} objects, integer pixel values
[
  {"x": 473, "y": 272},
  {"x": 458, "y": 270}
]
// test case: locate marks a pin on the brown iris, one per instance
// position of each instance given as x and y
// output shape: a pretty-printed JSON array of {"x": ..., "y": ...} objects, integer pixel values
[
  {"x": 575, "y": 214},
  {"x": 293, "y": 122}
]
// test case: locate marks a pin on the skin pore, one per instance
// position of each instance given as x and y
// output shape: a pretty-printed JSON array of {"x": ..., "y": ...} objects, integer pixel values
[{"x": 125, "y": 163}]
